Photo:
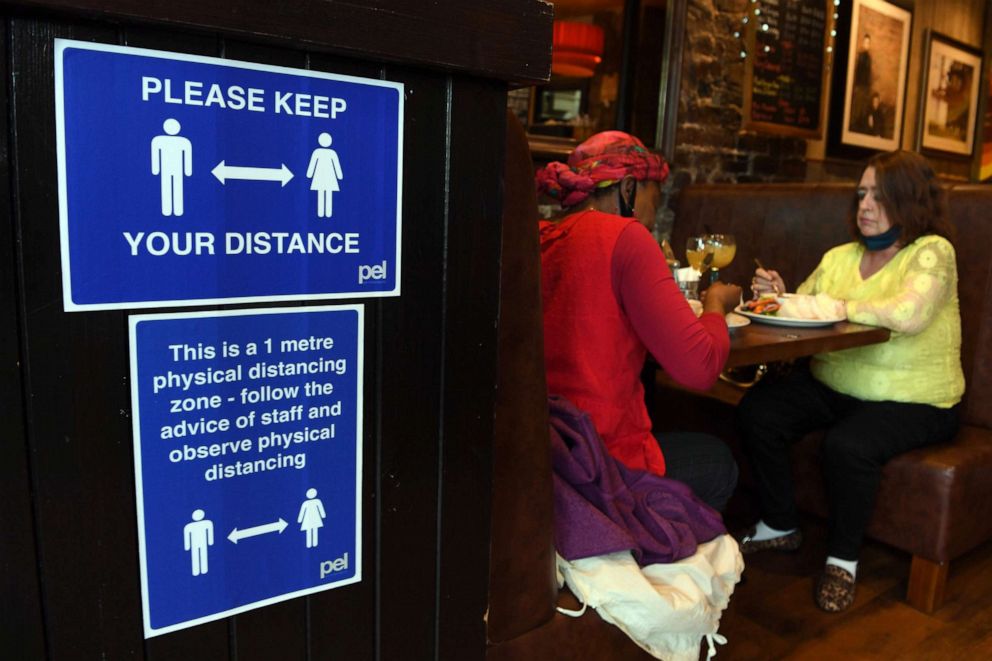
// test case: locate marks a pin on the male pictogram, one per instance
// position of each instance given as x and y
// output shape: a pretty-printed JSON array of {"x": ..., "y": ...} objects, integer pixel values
[
  {"x": 197, "y": 536},
  {"x": 172, "y": 159}
]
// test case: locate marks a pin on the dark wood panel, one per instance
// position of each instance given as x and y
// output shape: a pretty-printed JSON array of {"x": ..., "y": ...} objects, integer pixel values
[
  {"x": 505, "y": 39},
  {"x": 22, "y": 617},
  {"x": 140, "y": 36},
  {"x": 471, "y": 311},
  {"x": 75, "y": 369},
  {"x": 235, "y": 49},
  {"x": 412, "y": 340}
]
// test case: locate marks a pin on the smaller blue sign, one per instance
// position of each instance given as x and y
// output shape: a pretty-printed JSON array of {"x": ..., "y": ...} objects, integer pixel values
[
  {"x": 247, "y": 454},
  {"x": 187, "y": 179}
]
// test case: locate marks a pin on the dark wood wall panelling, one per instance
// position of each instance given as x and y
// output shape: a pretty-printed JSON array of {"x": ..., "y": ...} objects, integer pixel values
[
  {"x": 474, "y": 222},
  {"x": 67, "y": 473},
  {"x": 508, "y": 40},
  {"x": 411, "y": 343},
  {"x": 75, "y": 370},
  {"x": 21, "y": 625}
]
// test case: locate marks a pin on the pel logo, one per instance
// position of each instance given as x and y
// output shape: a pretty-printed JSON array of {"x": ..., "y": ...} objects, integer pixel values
[
  {"x": 370, "y": 272},
  {"x": 333, "y": 566}
]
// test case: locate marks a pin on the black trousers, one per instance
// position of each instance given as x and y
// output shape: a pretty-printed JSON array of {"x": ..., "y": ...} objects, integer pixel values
[
  {"x": 860, "y": 438},
  {"x": 703, "y": 462}
]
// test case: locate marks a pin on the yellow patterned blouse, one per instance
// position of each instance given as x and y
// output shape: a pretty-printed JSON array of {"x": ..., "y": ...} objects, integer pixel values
[{"x": 916, "y": 296}]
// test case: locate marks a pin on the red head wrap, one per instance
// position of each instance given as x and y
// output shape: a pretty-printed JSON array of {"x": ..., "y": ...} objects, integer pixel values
[{"x": 599, "y": 162}]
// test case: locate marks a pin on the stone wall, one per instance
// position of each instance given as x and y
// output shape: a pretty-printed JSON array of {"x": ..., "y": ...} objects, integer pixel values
[{"x": 711, "y": 144}]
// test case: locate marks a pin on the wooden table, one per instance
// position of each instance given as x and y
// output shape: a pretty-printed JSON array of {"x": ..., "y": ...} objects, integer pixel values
[{"x": 759, "y": 343}]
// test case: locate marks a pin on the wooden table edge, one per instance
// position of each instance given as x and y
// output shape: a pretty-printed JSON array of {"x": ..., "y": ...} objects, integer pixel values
[{"x": 800, "y": 342}]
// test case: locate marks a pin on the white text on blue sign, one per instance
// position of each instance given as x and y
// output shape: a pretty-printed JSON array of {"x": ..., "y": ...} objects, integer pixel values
[
  {"x": 186, "y": 179},
  {"x": 247, "y": 434}
]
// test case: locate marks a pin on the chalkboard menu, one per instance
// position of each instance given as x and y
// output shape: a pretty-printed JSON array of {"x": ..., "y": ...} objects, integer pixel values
[{"x": 784, "y": 70}]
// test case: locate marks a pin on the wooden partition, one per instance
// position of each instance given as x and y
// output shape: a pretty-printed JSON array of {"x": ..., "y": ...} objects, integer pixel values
[{"x": 69, "y": 545}]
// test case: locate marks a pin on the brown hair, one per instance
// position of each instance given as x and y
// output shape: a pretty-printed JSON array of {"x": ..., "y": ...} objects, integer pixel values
[{"x": 908, "y": 190}]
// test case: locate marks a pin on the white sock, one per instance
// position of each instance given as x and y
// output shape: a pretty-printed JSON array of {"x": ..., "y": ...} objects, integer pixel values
[
  {"x": 763, "y": 531},
  {"x": 850, "y": 566}
]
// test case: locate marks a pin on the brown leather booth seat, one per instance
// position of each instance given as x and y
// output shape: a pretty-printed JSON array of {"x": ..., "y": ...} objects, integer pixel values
[{"x": 933, "y": 502}]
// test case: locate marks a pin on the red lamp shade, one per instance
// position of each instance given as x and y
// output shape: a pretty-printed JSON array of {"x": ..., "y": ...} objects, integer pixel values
[{"x": 576, "y": 48}]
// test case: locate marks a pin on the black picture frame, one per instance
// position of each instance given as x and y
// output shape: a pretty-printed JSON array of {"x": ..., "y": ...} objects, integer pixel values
[
  {"x": 867, "y": 85},
  {"x": 982, "y": 163},
  {"x": 949, "y": 98}
]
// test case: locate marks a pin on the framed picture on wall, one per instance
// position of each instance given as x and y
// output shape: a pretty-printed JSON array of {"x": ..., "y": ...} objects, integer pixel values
[
  {"x": 949, "y": 97},
  {"x": 875, "y": 81},
  {"x": 985, "y": 158}
]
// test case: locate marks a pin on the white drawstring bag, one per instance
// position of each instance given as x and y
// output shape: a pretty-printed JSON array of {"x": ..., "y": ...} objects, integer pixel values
[{"x": 667, "y": 609}]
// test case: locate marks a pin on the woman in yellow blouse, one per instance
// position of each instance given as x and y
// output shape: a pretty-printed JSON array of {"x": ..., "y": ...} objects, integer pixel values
[{"x": 875, "y": 402}]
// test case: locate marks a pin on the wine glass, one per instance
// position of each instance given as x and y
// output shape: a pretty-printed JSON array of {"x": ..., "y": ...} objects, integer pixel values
[
  {"x": 696, "y": 249},
  {"x": 698, "y": 255},
  {"x": 724, "y": 248}
]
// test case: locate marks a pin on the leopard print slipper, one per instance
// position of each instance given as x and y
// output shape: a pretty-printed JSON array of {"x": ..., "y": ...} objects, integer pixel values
[
  {"x": 835, "y": 589},
  {"x": 789, "y": 542}
]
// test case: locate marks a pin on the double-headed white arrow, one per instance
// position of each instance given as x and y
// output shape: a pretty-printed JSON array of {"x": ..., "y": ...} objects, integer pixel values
[
  {"x": 224, "y": 172},
  {"x": 278, "y": 527}
]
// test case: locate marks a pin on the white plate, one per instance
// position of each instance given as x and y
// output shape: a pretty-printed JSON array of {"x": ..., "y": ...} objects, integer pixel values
[
  {"x": 793, "y": 322},
  {"x": 735, "y": 320}
]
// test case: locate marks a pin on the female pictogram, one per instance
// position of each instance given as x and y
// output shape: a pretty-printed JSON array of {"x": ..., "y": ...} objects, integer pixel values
[
  {"x": 324, "y": 173},
  {"x": 311, "y": 517}
]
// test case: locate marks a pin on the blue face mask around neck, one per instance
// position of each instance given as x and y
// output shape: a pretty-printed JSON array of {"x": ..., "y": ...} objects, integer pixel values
[{"x": 883, "y": 240}]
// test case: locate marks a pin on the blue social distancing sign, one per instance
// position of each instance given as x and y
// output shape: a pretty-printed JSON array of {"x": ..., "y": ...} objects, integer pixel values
[
  {"x": 247, "y": 444},
  {"x": 186, "y": 179}
]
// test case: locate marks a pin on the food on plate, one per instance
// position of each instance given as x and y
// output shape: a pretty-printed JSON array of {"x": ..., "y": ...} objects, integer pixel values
[
  {"x": 805, "y": 306},
  {"x": 766, "y": 304},
  {"x": 798, "y": 306}
]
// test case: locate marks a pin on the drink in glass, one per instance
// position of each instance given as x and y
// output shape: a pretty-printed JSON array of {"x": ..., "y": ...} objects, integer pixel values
[
  {"x": 696, "y": 249},
  {"x": 724, "y": 248}
]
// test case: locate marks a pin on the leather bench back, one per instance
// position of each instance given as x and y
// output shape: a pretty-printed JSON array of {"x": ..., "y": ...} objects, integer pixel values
[
  {"x": 970, "y": 208},
  {"x": 522, "y": 587}
]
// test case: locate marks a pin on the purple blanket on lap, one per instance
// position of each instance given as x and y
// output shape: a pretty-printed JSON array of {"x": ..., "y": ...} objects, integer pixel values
[{"x": 601, "y": 506}]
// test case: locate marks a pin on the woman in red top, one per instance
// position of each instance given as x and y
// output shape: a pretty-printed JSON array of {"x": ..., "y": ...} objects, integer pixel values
[{"x": 609, "y": 297}]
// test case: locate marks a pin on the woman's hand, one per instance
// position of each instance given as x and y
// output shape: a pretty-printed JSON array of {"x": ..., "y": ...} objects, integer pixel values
[
  {"x": 767, "y": 282},
  {"x": 721, "y": 298}
]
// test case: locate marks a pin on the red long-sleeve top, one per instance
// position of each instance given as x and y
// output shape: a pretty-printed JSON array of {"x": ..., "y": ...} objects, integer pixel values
[
  {"x": 692, "y": 351},
  {"x": 609, "y": 298}
]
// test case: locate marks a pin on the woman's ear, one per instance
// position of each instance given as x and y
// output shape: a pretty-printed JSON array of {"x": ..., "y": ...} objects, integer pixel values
[
  {"x": 627, "y": 186},
  {"x": 626, "y": 192}
]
